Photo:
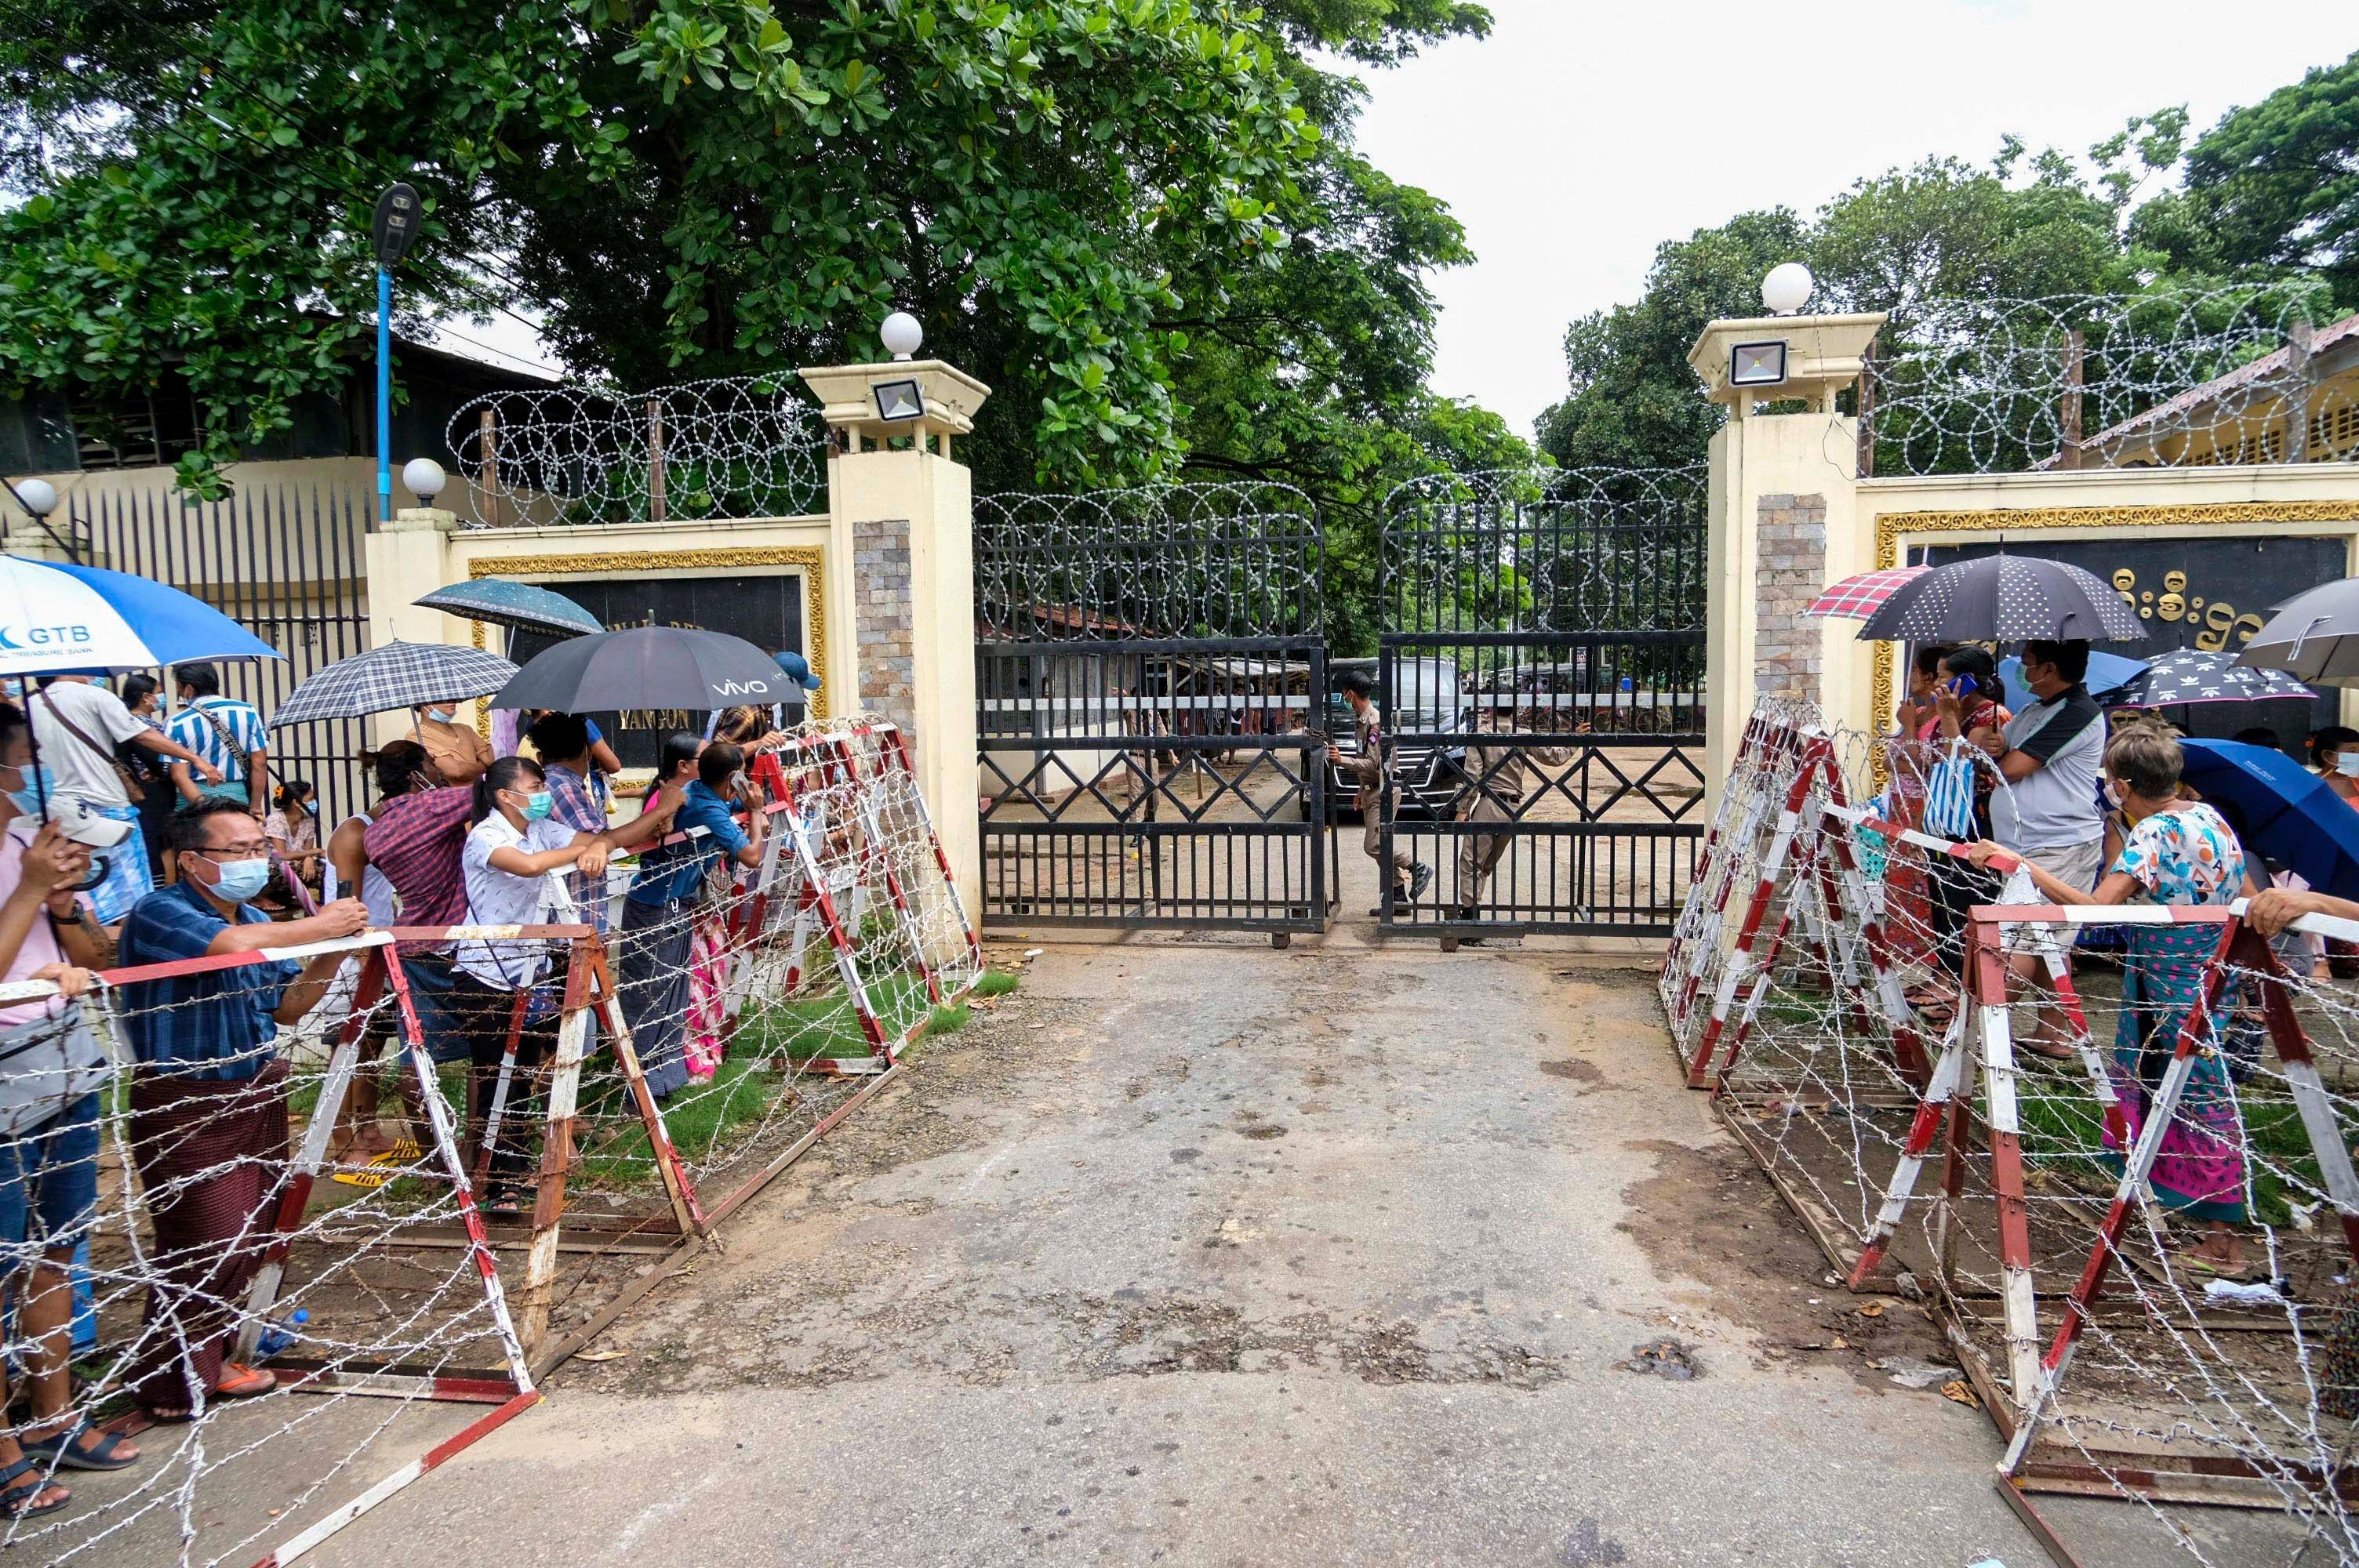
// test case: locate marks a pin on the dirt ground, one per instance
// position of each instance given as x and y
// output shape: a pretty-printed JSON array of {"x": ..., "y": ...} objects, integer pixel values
[{"x": 1207, "y": 1253}]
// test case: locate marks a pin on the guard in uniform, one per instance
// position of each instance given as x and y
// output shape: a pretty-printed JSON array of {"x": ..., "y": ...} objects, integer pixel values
[
  {"x": 1502, "y": 777},
  {"x": 1368, "y": 770}
]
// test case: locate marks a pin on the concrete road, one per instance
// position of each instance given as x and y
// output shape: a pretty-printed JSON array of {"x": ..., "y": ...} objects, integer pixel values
[{"x": 1209, "y": 1254}]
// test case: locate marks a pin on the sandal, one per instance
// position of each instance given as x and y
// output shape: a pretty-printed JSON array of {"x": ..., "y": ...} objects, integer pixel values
[
  {"x": 2234, "y": 1273},
  {"x": 17, "y": 1501},
  {"x": 69, "y": 1455},
  {"x": 239, "y": 1381}
]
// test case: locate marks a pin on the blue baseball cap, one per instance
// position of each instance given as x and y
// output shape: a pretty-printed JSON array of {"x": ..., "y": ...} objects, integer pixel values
[{"x": 798, "y": 668}]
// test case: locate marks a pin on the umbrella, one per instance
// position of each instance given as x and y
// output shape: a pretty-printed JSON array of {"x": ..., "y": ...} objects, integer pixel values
[
  {"x": 2107, "y": 674},
  {"x": 2283, "y": 810},
  {"x": 2313, "y": 636},
  {"x": 1858, "y": 597},
  {"x": 649, "y": 666},
  {"x": 397, "y": 676},
  {"x": 2003, "y": 597},
  {"x": 2187, "y": 676},
  {"x": 517, "y": 605},
  {"x": 56, "y": 619}
]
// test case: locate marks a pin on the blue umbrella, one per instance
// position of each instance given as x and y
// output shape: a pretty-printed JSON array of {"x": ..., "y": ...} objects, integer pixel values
[
  {"x": 517, "y": 605},
  {"x": 2284, "y": 811},
  {"x": 2108, "y": 673},
  {"x": 56, "y": 619}
]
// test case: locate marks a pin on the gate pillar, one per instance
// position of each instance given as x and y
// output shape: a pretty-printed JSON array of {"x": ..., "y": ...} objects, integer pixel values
[
  {"x": 409, "y": 557},
  {"x": 901, "y": 620},
  {"x": 1783, "y": 523}
]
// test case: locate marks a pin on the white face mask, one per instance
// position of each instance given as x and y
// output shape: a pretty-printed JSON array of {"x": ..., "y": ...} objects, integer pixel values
[
  {"x": 2115, "y": 792},
  {"x": 2347, "y": 763}
]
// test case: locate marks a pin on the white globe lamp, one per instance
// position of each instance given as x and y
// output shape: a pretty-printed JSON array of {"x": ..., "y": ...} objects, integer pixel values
[
  {"x": 423, "y": 477},
  {"x": 40, "y": 496},
  {"x": 1787, "y": 288},
  {"x": 902, "y": 334}
]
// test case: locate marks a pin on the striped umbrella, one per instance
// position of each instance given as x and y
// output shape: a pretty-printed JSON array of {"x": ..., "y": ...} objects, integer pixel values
[
  {"x": 1857, "y": 598},
  {"x": 397, "y": 676}
]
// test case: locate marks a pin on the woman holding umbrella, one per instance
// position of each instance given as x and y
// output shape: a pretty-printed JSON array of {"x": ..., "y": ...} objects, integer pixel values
[{"x": 2177, "y": 852}]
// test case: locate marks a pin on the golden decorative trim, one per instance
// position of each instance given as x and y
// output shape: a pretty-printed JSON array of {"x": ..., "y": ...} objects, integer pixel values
[
  {"x": 809, "y": 560},
  {"x": 1891, "y": 528}
]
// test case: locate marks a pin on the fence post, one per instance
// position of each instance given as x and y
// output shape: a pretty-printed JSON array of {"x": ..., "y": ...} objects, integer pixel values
[
  {"x": 2299, "y": 384},
  {"x": 656, "y": 511},
  {"x": 488, "y": 448},
  {"x": 408, "y": 558},
  {"x": 901, "y": 618},
  {"x": 1785, "y": 520},
  {"x": 2075, "y": 350}
]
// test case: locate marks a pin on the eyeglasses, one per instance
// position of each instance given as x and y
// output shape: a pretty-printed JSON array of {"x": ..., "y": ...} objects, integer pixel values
[{"x": 244, "y": 848}]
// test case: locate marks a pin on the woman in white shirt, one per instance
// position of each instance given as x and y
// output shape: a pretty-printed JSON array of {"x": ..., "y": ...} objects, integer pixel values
[{"x": 507, "y": 859}]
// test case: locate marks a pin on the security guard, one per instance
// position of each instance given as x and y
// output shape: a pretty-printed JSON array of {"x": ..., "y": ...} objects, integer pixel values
[
  {"x": 1501, "y": 779},
  {"x": 1368, "y": 770}
]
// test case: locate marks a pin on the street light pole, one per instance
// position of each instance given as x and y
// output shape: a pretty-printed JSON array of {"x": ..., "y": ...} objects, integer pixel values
[
  {"x": 385, "y": 395},
  {"x": 392, "y": 228}
]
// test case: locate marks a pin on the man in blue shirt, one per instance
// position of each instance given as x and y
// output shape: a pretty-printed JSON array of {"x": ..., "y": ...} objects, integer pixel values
[
  {"x": 227, "y": 735},
  {"x": 659, "y": 911},
  {"x": 209, "y": 1094}
]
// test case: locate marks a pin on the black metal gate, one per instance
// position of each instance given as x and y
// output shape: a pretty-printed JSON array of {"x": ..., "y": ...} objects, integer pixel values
[
  {"x": 1150, "y": 682},
  {"x": 290, "y": 565},
  {"x": 1540, "y": 670}
]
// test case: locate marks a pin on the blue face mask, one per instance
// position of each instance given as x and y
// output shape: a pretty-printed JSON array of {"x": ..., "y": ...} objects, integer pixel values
[
  {"x": 537, "y": 804},
  {"x": 39, "y": 784},
  {"x": 240, "y": 879}
]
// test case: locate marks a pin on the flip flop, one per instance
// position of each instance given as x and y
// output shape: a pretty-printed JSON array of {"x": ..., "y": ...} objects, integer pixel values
[
  {"x": 17, "y": 1501},
  {"x": 70, "y": 1455},
  {"x": 2242, "y": 1274},
  {"x": 380, "y": 1168},
  {"x": 243, "y": 1382}
]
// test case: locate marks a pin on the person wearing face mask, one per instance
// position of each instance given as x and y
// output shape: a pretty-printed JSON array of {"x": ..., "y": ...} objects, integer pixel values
[
  {"x": 2335, "y": 753},
  {"x": 150, "y": 770},
  {"x": 460, "y": 754},
  {"x": 513, "y": 845},
  {"x": 2179, "y": 853},
  {"x": 49, "y": 1150},
  {"x": 662, "y": 907},
  {"x": 209, "y": 1094}
]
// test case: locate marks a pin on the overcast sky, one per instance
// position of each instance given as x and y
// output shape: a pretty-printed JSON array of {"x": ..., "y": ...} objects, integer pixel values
[{"x": 1579, "y": 135}]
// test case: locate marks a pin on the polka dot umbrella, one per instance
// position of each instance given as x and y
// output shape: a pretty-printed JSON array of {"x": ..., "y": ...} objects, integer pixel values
[{"x": 2004, "y": 599}]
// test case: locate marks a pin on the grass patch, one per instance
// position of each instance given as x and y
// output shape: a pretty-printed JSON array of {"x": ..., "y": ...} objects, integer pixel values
[
  {"x": 700, "y": 1120},
  {"x": 995, "y": 982}
]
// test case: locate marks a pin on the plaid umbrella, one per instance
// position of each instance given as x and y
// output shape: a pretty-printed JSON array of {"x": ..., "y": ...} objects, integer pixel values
[
  {"x": 1857, "y": 598},
  {"x": 397, "y": 676},
  {"x": 2193, "y": 675}
]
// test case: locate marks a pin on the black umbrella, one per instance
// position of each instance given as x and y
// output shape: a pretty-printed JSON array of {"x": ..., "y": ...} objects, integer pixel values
[
  {"x": 2003, "y": 598},
  {"x": 649, "y": 667}
]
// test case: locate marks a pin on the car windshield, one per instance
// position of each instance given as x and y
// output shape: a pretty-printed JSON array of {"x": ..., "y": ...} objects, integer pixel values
[{"x": 1429, "y": 696}]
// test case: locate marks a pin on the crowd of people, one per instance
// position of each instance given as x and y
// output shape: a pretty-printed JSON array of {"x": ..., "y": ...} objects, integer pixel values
[
  {"x": 133, "y": 841},
  {"x": 2096, "y": 811}
]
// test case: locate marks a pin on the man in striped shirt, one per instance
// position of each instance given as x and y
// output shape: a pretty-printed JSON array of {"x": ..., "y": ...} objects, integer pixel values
[{"x": 227, "y": 733}]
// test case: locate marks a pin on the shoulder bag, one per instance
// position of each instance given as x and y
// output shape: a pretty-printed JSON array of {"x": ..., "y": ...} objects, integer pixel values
[{"x": 131, "y": 790}]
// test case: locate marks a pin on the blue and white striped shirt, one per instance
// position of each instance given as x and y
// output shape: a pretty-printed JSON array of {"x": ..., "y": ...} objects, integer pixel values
[{"x": 245, "y": 725}]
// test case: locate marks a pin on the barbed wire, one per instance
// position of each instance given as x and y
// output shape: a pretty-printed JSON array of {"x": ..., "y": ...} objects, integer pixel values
[
  {"x": 1161, "y": 561},
  {"x": 731, "y": 447},
  {"x": 2173, "y": 378}
]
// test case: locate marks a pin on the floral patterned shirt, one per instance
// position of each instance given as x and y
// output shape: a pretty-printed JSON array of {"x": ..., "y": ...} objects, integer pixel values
[{"x": 2185, "y": 856}]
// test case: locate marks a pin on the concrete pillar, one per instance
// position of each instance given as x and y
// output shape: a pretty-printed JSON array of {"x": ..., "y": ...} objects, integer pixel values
[
  {"x": 1783, "y": 504},
  {"x": 408, "y": 558},
  {"x": 901, "y": 612}
]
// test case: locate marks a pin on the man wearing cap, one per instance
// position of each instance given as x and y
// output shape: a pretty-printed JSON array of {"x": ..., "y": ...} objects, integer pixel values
[
  {"x": 76, "y": 728},
  {"x": 1410, "y": 877},
  {"x": 796, "y": 668},
  {"x": 1500, "y": 777}
]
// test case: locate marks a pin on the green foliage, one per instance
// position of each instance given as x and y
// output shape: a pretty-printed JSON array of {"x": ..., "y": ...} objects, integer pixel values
[
  {"x": 2275, "y": 185},
  {"x": 1112, "y": 210}
]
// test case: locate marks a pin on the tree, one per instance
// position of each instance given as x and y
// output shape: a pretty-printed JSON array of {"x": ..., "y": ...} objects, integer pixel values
[
  {"x": 1635, "y": 401},
  {"x": 2272, "y": 186},
  {"x": 1081, "y": 199}
]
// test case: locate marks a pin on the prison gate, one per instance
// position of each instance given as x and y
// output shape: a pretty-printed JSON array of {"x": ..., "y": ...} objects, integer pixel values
[
  {"x": 2049, "y": 1208},
  {"x": 1151, "y": 686},
  {"x": 1540, "y": 671},
  {"x": 639, "y": 1083}
]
